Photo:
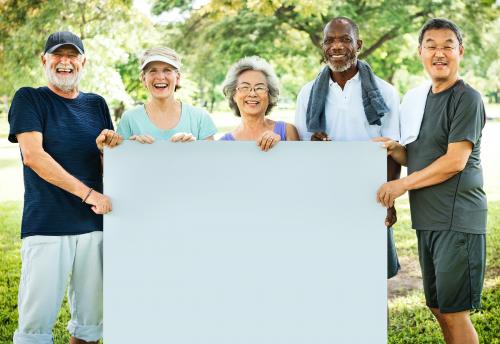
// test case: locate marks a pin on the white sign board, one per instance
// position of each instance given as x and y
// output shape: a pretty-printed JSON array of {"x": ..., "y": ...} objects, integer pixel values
[{"x": 220, "y": 243}]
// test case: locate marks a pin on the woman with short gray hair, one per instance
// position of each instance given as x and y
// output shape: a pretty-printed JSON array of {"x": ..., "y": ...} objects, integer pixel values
[{"x": 252, "y": 90}]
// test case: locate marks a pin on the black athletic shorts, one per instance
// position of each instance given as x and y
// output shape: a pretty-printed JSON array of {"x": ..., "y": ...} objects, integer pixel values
[{"x": 453, "y": 265}]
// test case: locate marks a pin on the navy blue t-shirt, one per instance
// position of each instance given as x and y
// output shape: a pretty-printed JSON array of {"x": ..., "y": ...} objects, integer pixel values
[{"x": 69, "y": 128}]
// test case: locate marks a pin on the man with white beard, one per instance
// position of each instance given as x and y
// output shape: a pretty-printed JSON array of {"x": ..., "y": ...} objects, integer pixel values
[
  {"x": 347, "y": 102},
  {"x": 56, "y": 127}
]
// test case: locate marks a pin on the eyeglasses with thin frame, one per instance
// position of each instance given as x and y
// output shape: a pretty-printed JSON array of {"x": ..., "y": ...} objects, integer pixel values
[
  {"x": 446, "y": 49},
  {"x": 246, "y": 89}
]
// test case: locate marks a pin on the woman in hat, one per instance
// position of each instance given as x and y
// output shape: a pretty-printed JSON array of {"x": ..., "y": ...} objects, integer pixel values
[{"x": 163, "y": 117}]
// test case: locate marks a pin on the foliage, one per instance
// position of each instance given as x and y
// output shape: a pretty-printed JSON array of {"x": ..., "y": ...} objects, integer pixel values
[
  {"x": 493, "y": 240},
  {"x": 482, "y": 65},
  {"x": 130, "y": 75},
  {"x": 290, "y": 31},
  {"x": 404, "y": 235},
  {"x": 411, "y": 321},
  {"x": 210, "y": 38},
  {"x": 104, "y": 26},
  {"x": 10, "y": 266},
  {"x": 409, "y": 318}
]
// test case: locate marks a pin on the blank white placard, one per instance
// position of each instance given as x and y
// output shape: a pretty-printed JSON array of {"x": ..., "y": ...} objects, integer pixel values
[{"x": 220, "y": 243}]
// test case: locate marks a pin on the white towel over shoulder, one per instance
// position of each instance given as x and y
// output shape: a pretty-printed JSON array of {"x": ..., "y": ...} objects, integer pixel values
[{"x": 412, "y": 111}]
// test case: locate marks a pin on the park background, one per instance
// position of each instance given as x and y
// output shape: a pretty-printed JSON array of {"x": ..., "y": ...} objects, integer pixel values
[{"x": 210, "y": 36}]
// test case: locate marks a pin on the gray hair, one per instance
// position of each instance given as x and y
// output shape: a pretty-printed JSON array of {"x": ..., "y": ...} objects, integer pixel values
[{"x": 255, "y": 63}]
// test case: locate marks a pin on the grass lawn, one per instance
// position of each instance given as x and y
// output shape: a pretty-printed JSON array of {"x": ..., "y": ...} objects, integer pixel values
[
  {"x": 10, "y": 267},
  {"x": 410, "y": 321},
  {"x": 4, "y": 125}
]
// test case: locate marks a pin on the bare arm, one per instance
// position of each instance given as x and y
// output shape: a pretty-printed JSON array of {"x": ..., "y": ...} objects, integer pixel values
[
  {"x": 441, "y": 169},
  {"x": 393, "y": 169},
  {"x": 36, "y": 158},
  {"x": 397, "y": 152},
  {"x": 393, "y": 173},
  {"x": 394, "y": 149},
  {"x": 291, "y": 133}
]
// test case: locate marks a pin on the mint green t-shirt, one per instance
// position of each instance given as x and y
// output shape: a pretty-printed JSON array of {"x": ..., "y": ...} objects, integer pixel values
[{"x": 193, "y": 120}]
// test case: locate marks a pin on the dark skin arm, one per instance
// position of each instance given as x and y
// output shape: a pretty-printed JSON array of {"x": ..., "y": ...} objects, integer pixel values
[
  {"x": 393, "y": 173},
  {"x": 320, "y": 136}
]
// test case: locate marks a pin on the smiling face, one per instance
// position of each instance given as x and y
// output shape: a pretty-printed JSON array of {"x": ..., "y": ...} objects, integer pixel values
[
  {"x": 252, "y": 95},
  {"x": 441, "y": 53},
  {"x": 160, "y": 79},
  {"x": 63, "y": 68},
  {"x": 340, "y": 45}
]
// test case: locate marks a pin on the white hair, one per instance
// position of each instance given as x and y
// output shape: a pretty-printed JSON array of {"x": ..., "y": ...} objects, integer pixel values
[{"x": 255, "y": 63}]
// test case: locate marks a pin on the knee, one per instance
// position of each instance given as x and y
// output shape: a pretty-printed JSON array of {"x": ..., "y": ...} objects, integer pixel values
[
  {"x": 436, "y": 313},
  {"x": 35, "y": 322},
  {"x": 455, "y": 319}
]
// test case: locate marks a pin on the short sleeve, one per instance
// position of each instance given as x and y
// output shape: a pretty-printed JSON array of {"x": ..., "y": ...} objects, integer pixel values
[
  {"x": 390, "y": 124},
  {"x": 468, "y": 119},
  {"x": 206, "y": 126},
  {"x": 24, "y": 115},
  {"x": 108, "y": 123},
  {"x": 301, "y": 111},
  {"x": 123, "y": 128}
]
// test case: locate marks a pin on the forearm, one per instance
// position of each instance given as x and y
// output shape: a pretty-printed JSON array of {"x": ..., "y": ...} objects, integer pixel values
[
  {"x": 399, "y": 155},
  {"x": 393, "y": 173},
  {"x": 49, "y": 170},
  {"x": 439, "y": 171},
  {"x": 393, "y": 169}
]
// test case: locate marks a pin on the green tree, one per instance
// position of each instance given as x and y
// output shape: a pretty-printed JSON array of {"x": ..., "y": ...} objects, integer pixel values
[
  {"x": 288, "y": 32},
  {"x": 111, "y": 32}
]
